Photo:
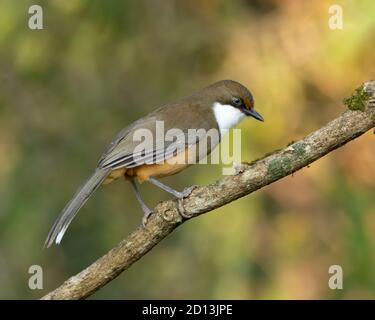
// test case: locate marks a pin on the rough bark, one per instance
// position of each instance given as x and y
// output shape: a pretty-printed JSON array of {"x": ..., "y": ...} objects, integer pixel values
[{"x": 249, "y": 177}]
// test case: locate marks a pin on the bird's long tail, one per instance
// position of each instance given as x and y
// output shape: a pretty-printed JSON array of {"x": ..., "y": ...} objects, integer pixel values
[{"x": 69, "y": 212}]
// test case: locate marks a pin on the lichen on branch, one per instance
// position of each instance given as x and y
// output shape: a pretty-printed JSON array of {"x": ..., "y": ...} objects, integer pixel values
[{"x": 358, "y": 100}]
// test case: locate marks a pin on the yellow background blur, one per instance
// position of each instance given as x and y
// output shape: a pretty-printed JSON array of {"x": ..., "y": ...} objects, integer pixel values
[{"x": 66, "y": 90}]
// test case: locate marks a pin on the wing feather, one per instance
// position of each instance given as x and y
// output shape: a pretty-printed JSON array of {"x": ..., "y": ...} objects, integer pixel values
[{"x": 124, "y": 151}]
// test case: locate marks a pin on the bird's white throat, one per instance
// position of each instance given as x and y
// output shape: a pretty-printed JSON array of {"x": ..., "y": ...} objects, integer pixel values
[{"x": 227, "y": 116}]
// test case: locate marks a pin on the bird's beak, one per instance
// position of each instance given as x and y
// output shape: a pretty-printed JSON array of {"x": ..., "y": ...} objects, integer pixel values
[{"x": 253, "y": 113}]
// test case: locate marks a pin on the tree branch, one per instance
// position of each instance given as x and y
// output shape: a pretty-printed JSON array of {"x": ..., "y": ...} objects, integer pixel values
[{"x": 249, "y": 178}]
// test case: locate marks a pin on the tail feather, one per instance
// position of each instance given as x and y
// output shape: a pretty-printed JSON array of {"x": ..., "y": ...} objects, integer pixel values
[{"x": 71, "y": 209}]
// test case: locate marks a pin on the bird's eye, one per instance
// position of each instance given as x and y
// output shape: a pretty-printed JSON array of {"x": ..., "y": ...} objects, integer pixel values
[{"x": 237, "y": 101}]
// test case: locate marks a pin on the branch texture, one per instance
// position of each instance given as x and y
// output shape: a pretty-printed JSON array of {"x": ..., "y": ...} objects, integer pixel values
[{"x": 249, "y": 178}]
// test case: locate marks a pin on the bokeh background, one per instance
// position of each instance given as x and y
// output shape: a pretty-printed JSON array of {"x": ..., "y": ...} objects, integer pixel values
[{"x": 66, "y": 90}]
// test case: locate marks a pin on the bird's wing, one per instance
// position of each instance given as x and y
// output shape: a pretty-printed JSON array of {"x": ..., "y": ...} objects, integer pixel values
[
  {"x": 125, "y": 154},
  {"x": 127, "y": 151}
]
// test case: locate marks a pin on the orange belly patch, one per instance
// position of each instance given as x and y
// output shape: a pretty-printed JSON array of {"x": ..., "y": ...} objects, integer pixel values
[
  {"x": 157, "y": 170},
  {"x": 115, "y": 174},
  {"x": 143, "y": 173}
]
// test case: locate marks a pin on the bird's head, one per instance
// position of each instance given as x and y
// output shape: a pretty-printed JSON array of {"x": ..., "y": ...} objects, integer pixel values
[{"x": 232, "y": 94}]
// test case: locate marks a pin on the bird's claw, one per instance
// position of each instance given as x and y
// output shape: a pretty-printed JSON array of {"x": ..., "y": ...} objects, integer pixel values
[
  {"x": 179, "y": 195},
  {"x": 186, "y": 192},
  {"x": 145, "y": 217}
]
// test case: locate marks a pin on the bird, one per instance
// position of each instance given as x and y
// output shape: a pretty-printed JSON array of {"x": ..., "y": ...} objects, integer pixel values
[{"x": 218, "y": 107}]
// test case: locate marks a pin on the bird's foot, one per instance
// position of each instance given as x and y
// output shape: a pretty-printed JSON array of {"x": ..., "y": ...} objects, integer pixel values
[
  {"x": 146, "y": 214},
  {"x": 182, "y": 211},
  {"x": 146, "y": 210},
  {"x": 186, "y": 192},
  {"x": 179, "y": 195}
]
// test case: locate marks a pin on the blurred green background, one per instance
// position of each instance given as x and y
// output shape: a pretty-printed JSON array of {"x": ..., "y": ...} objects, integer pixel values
[{"x": 66, "y": 90}]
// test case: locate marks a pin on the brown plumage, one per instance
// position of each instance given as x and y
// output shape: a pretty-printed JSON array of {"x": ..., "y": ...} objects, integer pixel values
[{"x": 121, "y": 158}]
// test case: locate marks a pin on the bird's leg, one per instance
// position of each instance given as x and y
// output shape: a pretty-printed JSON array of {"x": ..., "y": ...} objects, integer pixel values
[
  {"x": 146, "y": 210},
  {"x": 180, "y": 195}
]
